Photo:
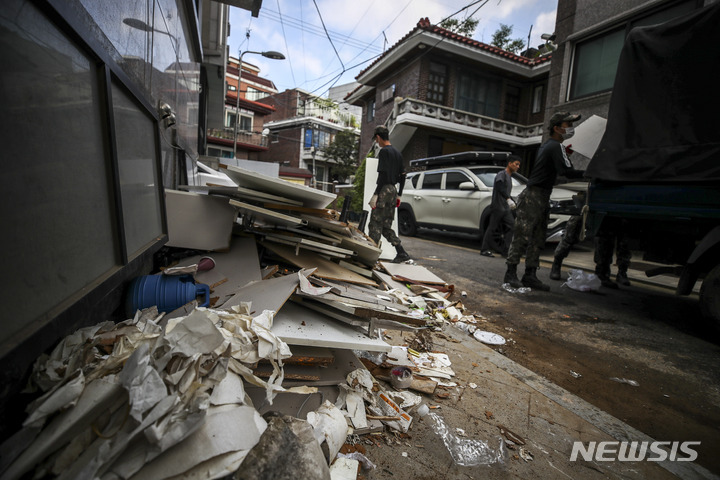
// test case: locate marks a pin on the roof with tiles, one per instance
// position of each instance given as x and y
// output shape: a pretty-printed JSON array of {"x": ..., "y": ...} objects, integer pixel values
[{"x": 424, "y": 24}]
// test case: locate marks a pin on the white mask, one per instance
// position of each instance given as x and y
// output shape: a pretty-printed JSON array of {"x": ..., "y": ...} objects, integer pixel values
[{"x": 569, "y": 132}]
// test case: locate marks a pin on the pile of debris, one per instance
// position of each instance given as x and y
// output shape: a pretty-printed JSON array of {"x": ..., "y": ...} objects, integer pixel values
[{"x": 289, "y": 348}]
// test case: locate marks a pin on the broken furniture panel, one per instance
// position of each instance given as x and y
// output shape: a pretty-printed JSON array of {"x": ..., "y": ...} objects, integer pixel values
[
  {"x": 297, "y": 325},
  {"x": 266, "y": 215},
  {"x": 200, "y": 222},
  {"x": 325, "y": 268},
  {"x": 240, "y": 192},
  {"x": 310, "y": 197}
]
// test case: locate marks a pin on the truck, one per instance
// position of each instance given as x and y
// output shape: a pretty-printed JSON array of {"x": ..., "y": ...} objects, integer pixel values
[{"x": 655, "y": 176}]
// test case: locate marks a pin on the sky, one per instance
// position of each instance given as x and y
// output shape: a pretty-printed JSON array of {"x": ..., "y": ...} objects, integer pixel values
[{"x": 359, "y": 31}]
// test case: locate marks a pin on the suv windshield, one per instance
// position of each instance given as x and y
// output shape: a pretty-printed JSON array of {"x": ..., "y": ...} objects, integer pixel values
[{"x": 487, "y": 176}]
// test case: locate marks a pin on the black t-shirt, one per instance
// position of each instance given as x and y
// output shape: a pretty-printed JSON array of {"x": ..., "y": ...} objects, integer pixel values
[
  {"x": 551, "y": 161},
  {"x": 390, "y": 167}
]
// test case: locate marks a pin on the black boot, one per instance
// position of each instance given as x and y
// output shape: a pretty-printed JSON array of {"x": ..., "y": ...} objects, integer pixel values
[
  {"x": 531, "y": 280},
  {"x": 511, "y": 276},
  {"x": 402, "y": 255},
  {"x": 605, "y": 280},
  {"x": 555, "y": 273},
  {"x": 622, "y": 278}
]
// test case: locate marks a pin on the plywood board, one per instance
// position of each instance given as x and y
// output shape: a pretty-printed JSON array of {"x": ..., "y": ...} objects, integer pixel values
[
  {"x": 365, "y": 272},
  {"x": 416, "y": 273},
  {"x": 241, "y": 192},
  {"x": 267, "y": 215},
  {"x": 297, "y": 325},
  {"x": 310, "y": 197},
  {"x": 327, "y": 224},
  {"x": 325, "y": 268},
  {"x": 201, "y": 222}
]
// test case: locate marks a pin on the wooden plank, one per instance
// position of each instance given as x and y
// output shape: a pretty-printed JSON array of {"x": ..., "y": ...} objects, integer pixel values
[
  {"x": 365, "y": 312},
  {"x": 325, "y": 268},
  {"x": 327, "y": 224},
  {"x": 417, "y": 273},
  {"x": 315, "y": 376},
  {"x": 365, "y": 272},
  {"x": 298, "y": 325},
  {"x": 310, "y": 243},
  {"x": 268, "y": 215},
  {"x": 359, "y": 300},
  {"x": 366, "y": 252},
  {"x": 310, "y": 197},
  {"x": 318, "y": 212},
  {"x": 297, "y": 246},
  {"x": 199, "y": 222},
  {"x": 390, "y": 283}
]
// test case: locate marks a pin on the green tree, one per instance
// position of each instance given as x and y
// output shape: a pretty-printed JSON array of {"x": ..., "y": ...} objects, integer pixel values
[
  {"x": 501, "y": 39},
  {"x": 343, "y": 151},
  {"x": 464, "y": 27}
]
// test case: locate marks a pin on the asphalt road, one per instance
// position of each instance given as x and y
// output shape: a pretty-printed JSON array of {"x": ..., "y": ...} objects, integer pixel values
[{"x": 580, "y": 341}]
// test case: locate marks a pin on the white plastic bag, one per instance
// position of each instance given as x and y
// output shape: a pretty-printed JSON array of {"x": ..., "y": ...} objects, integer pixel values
[{"x": 582, "y": 281}]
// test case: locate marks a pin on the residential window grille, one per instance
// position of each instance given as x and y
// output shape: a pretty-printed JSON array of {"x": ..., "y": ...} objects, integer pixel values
[
  {"x": 437, "y": 81},
  {"x": 387, "y": 94},
  {"x": 479, "y": 94},
  {"x": 512, "y": 103},
  {"x": 595, "y": 60}
]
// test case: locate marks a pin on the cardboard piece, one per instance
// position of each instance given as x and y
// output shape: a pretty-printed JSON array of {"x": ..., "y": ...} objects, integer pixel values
[{"x": 199, "y": 222}]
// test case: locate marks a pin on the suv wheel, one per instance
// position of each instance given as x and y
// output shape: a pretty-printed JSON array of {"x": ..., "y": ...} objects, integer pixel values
[{"x": 406, "y": 223}]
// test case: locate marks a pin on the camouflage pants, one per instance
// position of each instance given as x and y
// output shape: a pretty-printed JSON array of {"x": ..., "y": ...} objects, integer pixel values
[
  {"x": 570, "y": 237},
  {"x": 604, "y": 246},
  {"x": 533, "y": 212},
  {"x": 381, "y": 218}
]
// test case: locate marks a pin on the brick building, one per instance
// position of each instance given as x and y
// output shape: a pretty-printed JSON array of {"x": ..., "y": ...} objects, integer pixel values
[{"x": 441, "y": 93}]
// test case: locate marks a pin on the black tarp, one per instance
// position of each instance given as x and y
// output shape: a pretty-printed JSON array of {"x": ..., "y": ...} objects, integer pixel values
[{"x": 664, "y": 117}]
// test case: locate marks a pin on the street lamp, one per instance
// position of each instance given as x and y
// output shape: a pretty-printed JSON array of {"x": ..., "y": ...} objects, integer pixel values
[
  {"x": 269, "y": 54},
  {"x": 140, "y": 25}
]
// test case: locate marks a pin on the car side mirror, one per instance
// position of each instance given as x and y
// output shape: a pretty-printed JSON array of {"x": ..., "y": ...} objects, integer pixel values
[{"x": 467, "y": 186}]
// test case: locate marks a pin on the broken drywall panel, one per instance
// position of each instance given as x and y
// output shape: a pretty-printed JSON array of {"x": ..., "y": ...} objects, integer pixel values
[
  {"x": 201, "y": 222},
  {"x": 241, "y": 192},
  {"x": 297, "y": 325},
  {"x": 415, "y": 273},
  {"x": 332, "y": 312},
  {"x": 268, "y": 294},
  {"x": 325, "y": 268},
  {"x": 315, "y": 212},
  {"x": 292, "y": 404},
  {"x": 310, "y": 197},
  {"x": 268, "y": 216},
  {"x": 298, "y": 245},
  {"x": 305, "y": 232},
  {"x": 233, "y": 269},
  {"x": 364, "y": 311},
  {"x": 356, "y": 293}
]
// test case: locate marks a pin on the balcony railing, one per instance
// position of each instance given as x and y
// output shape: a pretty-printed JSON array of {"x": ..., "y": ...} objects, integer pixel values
[
  {"x": 460, "y": 117},
  {"x": 243, "y": 137}
]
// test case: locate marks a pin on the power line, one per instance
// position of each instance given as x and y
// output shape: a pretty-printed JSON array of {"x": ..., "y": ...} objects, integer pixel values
[{"x": 292, "y": 72}]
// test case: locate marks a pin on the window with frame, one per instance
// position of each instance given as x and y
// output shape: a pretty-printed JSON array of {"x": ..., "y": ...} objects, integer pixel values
[
  {"x": 371, "y": 110},
  {"x": 454, "y": 179},
  {"x": 245, "y": 124},
  {"x": 511, "y": 111},
  {"x": 595, "y": 60},
  {"x": 479, "y": 94},
  {"x": 537, "y": 100},
  {"x": 255, "y": 94},
  {"x": 437, "y": 81},
  {"x": 432, "y": 181}
]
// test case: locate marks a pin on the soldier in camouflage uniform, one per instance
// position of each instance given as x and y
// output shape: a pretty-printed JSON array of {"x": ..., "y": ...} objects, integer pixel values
[
  {"x": 391, "y": 171},
  {"x": 604, "y": 245},
  {"x": 533, "y": 208},
  {"x": 571, "y": 236}
]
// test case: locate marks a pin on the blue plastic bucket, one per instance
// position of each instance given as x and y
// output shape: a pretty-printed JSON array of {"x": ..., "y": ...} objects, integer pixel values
[{"x": 168, "y": 292}]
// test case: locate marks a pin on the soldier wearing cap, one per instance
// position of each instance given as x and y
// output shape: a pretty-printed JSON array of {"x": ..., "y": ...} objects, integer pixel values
[
  {"x": 533, "y": 210},
  {"x": 391, "y": 172}
]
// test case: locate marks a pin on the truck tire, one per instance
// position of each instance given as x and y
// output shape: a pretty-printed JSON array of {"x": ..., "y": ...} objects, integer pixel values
[
  {"x": 710, "y": 297},
  {"x": 406, "y": 222}
]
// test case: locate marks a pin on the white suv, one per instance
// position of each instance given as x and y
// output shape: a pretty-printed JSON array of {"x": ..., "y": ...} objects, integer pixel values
[{"x": 458, "y": 199}]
